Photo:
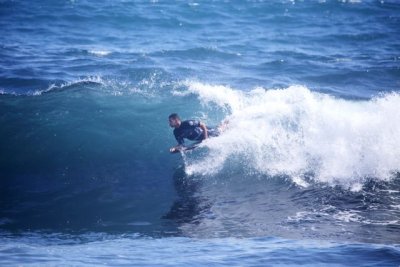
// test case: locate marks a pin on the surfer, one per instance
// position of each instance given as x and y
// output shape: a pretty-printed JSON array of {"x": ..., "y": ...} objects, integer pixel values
[{"x": 193, "y": 130}]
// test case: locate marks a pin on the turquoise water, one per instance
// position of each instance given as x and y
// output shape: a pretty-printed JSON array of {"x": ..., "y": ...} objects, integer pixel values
[{"x": 307, "y": 172}]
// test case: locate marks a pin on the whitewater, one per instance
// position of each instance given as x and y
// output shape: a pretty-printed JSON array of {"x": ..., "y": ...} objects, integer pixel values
[{"x": 303, "y": 134}]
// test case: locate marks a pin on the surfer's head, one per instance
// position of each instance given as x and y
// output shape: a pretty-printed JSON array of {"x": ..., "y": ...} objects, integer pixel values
[{"x": 174, "y": 120}]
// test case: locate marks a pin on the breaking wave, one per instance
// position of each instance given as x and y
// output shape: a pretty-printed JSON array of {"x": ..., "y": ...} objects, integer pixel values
[{"x": 308, "y": 136}]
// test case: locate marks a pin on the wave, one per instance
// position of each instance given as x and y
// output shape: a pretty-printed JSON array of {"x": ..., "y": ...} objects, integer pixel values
[
  {"x": 148, "y": 86},
  {"x": 103, "y": 161},
  {"x": 56, "y": 86},
  {"x": 97, "y": 80},
  {"x": 308, "y": 136}
]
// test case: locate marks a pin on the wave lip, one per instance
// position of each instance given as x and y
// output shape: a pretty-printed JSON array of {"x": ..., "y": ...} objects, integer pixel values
[
  {"x": 303, "y": 134},
  {"x": 87, "y": 80},
  {"x": 145, "y": 87}
]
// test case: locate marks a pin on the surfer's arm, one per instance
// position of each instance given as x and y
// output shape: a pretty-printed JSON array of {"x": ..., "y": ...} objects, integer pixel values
[
  {"x": 181, "y": 144},
  {"x": 204, "y": 128}
]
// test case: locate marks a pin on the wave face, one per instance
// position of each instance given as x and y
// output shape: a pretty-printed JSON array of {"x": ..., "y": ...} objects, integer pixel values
[{"x": 79, "y": 158}]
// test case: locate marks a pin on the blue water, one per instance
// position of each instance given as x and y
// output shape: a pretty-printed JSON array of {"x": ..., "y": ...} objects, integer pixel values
[{"x": 306, "y": 173}]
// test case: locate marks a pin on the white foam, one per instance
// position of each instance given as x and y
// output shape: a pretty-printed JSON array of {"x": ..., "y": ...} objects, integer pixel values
[
  {"x": 300, "y": 181},
  {"x": 355, "y": 216},
  {"x": 99, "y": 53},
  {"x": 4, "y": 92},
  {"x": 348, "y": 216},
  {"x": 295, "y": 132}
]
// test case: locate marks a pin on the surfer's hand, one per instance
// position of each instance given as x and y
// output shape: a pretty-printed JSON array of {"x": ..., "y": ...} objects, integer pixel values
[{"x": 174, "y": 149}]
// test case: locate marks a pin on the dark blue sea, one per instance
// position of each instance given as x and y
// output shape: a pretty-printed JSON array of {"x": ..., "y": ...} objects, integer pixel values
[{"x": 306, "y": 173}]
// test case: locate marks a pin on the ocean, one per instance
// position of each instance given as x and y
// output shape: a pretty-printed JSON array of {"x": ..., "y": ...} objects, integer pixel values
[{"x": 307, "y": 171}]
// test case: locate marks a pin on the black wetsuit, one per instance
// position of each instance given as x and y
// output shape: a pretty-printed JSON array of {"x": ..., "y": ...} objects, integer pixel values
[{"x": 190, "y": 129}]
